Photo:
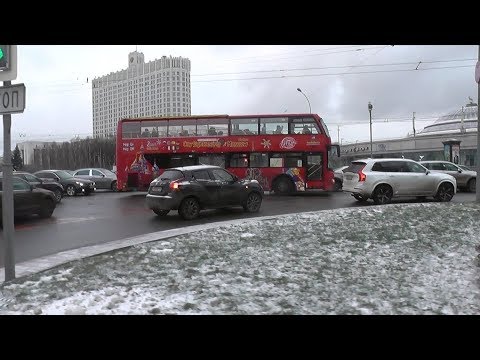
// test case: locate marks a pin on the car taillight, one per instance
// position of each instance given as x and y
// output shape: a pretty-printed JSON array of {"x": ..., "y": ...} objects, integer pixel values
[
  {"x": 361, "y": 176},
  {"x": 174, "y": 185}
]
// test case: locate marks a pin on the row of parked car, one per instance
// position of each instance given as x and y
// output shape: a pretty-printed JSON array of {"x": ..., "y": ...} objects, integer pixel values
[
  {"x": 38, "y": 193},
  {"x": 384, "y": 179}
]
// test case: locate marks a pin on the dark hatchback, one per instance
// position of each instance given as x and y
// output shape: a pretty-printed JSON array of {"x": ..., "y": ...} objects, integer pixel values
[
  {"x": 51, "y": 185},
  {"x": 72, "y": 185},
  {"x": 28, "y": 200},
  {"x": 190, "y": 189}
]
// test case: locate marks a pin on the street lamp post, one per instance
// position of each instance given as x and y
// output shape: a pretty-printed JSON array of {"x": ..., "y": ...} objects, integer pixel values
[
  {"x": 299, "y": 90},
  {"x": 370, "y": 107}
]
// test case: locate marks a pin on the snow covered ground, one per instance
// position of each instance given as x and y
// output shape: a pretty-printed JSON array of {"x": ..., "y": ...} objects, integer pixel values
[{"x": 395, "y": 259}]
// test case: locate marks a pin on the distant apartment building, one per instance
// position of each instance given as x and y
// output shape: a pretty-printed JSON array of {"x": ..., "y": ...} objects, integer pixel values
[{"x": 157, "y": 88}]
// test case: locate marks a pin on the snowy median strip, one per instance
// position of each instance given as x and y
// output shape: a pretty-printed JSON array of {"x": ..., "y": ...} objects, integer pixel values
[
  {"x": 47, "y": 262},
  {"x": 395, "y": 259}
]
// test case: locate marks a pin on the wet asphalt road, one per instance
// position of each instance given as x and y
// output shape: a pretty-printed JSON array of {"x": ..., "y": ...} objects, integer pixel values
[{"x": 105, "y": 216}]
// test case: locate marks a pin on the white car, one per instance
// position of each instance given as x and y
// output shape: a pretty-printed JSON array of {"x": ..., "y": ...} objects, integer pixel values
[
  {"x": 384, "y": 179},
  {"x": 338, "y": 176}
]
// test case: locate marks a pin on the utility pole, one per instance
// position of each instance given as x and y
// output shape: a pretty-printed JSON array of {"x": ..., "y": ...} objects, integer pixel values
[
  {"x": 370, "y": 107},
  {"x": 413, "y": 124},
  {"x": 338, "y": 134},
  {"x": 477, "y": 78}
]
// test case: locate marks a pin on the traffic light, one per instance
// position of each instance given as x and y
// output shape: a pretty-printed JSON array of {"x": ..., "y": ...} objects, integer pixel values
[
  {"x": 8, "y": 62},
  {"x": 4, "y": 57}
]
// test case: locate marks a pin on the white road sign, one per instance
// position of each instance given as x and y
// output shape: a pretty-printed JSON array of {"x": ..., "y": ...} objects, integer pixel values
[{"x": 12, "y": 99}]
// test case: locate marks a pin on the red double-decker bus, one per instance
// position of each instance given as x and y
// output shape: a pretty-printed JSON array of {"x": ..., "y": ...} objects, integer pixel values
[{"x": 285, "y": 153}]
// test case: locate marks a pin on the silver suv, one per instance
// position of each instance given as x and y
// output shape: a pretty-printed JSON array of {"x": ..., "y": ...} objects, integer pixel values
[
  {"x": 384, "y": 179},
  {"x": 466, "y": 180}
]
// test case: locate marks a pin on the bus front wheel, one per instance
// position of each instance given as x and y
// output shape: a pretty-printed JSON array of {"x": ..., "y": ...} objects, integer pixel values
[{"x": 283, "y": 186}]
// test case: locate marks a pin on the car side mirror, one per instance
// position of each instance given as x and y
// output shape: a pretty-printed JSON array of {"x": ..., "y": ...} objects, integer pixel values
[
  {"x": 31, "y": 187},
  {"x": 427, "y": 172},
  {"x": 459, "y": 170},
  {"x": 235, "y": 178},
  {"x": 103, "y": 175}
]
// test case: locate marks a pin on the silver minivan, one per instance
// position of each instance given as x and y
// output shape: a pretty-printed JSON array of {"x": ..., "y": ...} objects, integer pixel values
[
  {"x": 384, "y": 179},
  {"x": 103, "y": 178}
]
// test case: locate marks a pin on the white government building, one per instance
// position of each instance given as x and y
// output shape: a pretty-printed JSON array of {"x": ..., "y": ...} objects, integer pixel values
[{"x": 157, "y": 88}]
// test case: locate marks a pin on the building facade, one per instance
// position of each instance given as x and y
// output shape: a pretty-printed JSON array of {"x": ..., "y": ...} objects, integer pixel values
[
  {"x": 27, "y": 150},
  {"x": 428, "y": 144},
  {"x": 157, "y": 88}
]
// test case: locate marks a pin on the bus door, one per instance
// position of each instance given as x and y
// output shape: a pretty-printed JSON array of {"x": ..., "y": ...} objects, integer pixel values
[{"x": 314, "y": 166}]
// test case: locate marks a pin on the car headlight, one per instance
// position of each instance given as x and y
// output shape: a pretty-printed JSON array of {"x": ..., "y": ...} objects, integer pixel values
[{"x": 79, "y": 183}]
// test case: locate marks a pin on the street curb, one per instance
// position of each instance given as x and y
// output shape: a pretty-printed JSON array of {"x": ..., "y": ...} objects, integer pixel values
[{"x": 50, "y": 261}]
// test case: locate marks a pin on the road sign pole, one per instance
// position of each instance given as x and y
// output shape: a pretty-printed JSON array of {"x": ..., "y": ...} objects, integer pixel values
[{"x": 7, "y": 197}]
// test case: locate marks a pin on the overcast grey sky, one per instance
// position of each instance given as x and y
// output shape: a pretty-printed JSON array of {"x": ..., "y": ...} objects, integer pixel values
[{"x": 59, "y": 106}]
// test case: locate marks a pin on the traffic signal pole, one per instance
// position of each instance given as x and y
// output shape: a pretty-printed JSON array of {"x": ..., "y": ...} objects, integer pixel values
[
  {"x": 12, "y": 101},
  {"x": 7, "y": 197}
]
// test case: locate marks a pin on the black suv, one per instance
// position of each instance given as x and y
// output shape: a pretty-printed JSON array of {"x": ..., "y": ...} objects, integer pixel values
[
  {"x": 51, "y": 185},
  {"x": 190, "y": 189}
]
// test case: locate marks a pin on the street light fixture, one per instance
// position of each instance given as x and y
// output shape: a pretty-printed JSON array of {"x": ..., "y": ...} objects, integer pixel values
[
  {"x": 299, "y": 90},
  {"x": 370, "y": 107}
]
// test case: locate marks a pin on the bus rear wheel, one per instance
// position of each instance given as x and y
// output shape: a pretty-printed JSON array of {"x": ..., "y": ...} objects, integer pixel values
[{"x": 283, "y": 186}]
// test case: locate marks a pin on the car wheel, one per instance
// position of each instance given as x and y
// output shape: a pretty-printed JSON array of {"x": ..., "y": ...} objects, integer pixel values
[
  {"x": 382, "y": 195},
  {"x": 253, "y": 202},
  {"x": 444, "y": 193},
  {"x": 283, "y": 186},
  {"x": 359, "y": 198},
  {"x": 338, "y": 185},
  {"x": 161, "y": 212},
  {"x": 58, "y": 195},
  {"x": 70, "y": 190},
  {"x": 472, "y": 185},
  {"x": 189, "y": 209},
  {"x": 47, "y": 209},
  {"x": 114, "y": 186}
]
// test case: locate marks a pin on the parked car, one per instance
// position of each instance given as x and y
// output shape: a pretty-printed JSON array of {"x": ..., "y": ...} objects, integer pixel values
[
  {"x": 103, "y": 178},
  {"x": 466, "y": 179},
  {"x": 72, "y": 185},
  {"x": 465, "y": 167},
  {"x": 338, "y": 176},
  {"x": 51, "y": 185},
  {"x": 28, "y": 200},
  {"x": 190, "y": 189},
  {"x": 384, "y": 179}
]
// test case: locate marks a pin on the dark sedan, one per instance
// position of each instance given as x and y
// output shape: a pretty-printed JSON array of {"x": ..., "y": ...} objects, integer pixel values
[
  {"x": 72, "y": 185},
  {"x": 51, "y": 185},
  {"x": 190, "y": 189},
  {"x": 28, "y": 200}
]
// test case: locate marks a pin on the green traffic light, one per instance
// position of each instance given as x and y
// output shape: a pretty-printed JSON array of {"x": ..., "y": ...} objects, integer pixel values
[{"x": 1, "y": 54}]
